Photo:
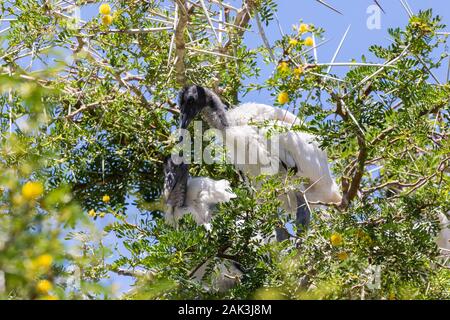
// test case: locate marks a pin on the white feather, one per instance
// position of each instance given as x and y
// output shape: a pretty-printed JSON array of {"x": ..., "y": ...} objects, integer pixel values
[
  {"x": 443, "y": 239},
  {"x": 246, "y": 112},
  {"x": 201, "y": 194},
  {"x": 296, "y": 149}
]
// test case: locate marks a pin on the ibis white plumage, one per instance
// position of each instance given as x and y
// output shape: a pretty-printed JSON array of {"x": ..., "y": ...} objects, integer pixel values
[
  {"x": 297, "y": 151},
  {"x": 443, "y": 239},
  {"x": 196, "y": 195}
]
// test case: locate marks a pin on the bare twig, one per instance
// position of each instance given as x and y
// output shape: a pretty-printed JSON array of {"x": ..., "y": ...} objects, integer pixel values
[
  {"x": 329, "y": 6},
  {"x": 264, "y": 37},
  {"x": 135, "y": 273},
  {"x": 241, "y": 22},
  {"x": 379, "y": 6},
  {"x": 350, "y": 191}
]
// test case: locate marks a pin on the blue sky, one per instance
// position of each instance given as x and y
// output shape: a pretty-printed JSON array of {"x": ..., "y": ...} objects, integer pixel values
[
  {"x": 359, "y": 38},
  {"x": 354, "y": 14}
]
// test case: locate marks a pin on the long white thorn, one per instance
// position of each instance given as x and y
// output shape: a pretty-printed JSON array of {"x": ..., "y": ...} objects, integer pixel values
[
  {"x": 352, "y": 117},
  {"x": 225, "y": 5},
  {"x": 448, "y": 70},
  {"x": 279, "y": 25},
  {"x": 211, "y": 52},
  {"x": 387, "y": 64},
  {"x": 410, "y": 14},
  {"x": 264, "y": 37},
  {"x": 428, "y": 69},
  {"x": 327, "y": 76},
  {"x": 328, "y": 6},
  {"x": 338, "y": 49},
  {"x": 315, "y": 48},
  {"x": 209, "y": 21},
  {"x": 352, "y": 64},
  {"x": 172, "y": 42},
  {"x": 409, "y": 7},
  {"x": 4, "y": 30},
  {"x": 221, "y": 18},
  {"x": 310, "y": 49}
]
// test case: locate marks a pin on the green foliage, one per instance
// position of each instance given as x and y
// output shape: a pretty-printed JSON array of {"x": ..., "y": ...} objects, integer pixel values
[{"x": 94, "y": 126}]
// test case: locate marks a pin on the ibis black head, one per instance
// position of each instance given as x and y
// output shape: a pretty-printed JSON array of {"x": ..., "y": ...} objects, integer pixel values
[
  {"x": 175, "y": 182},
  {"x": 192, "y": 100}
]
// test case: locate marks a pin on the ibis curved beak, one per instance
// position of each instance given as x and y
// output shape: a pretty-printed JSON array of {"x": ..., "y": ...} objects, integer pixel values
[
  {"x": 188, "y": 113},
  {"x": 185, "y": 120}
]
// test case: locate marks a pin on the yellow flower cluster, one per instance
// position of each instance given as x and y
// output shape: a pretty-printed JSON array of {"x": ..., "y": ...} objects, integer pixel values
[
  {"x": 298, "y": 71},
  {"x": 336, "y": 239},
  {"x": 303, "y": 28},
  {"x": 342, "y": 255},
  {"x": 283, "y": 97},
  {"x": 309, "y": 42},
  {"x": 293, "y": 42},
  {"x": 94, "y": 214},
  {"x": 32, "y": 190},
  {"x": 44, "y": 261},
  {"x": 105, "y": 10},
  {"x": 44, "y": 286},
  {"x": 283, "y": 67},
  {"x": 106, "y": 198},
  {"x": 363, "y": 237},
  {"x": 40, "y": 265}
]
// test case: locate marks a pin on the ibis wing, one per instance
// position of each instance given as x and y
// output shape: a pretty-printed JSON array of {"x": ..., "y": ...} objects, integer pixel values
[{"x": 175, "y": 184}]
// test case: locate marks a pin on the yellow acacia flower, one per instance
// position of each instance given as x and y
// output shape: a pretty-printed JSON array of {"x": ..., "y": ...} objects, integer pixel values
[
  {"x": 298, "y": 71},
  {"x": 92, "y": 213},
  {"x": 363, "y": 236},
  {"x": 44, "y": 286},
  {"x": 309, "y": 42},
  {"x": 293, "y": 42},
  {"x": 106, "y": 198},
  {"x": 43, "y": 261},
  {"x": 283, "y": 67},
  {"x": 17, "y": 199},
  {"x": 360, "y": 234},
  {"x": 107, "y": 20},
  {"x": 101, "y": 214},
  {"x": 32, "y": 190},
  {"x": 336, "y": 239},
  {"x": 303, "y": 28},
  {"x": 283, "y": 97},
  {"x": 49, "y": 297},
  {"x": 104, "y": 9},
  {"x": 342, "y": 256}
]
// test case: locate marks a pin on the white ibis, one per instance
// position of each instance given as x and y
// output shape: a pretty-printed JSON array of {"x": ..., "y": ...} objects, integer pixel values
[
  {"x": 196, "y": 195},
  {"x": 297, "y": 151}
]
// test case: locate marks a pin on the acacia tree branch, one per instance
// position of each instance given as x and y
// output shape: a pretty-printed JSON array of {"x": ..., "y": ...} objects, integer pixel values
[
  {"x": 134, "y": 273},
  {"x": 414, "y": 185},
  {"x": 180, "y": 44},
  {"x": 86, "y": 107},
  {"x": 240, "y": 22},
  {"x": 220, "y": 252},
  {"x": 352, "y": 190}
]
